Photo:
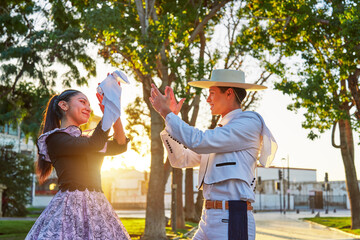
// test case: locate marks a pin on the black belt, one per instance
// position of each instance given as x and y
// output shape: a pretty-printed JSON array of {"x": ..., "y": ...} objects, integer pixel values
[{"x": 73, "y": 187}]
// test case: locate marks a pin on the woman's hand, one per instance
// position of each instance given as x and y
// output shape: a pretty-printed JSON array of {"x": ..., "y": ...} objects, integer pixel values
[{"x": 101, "y": 97}]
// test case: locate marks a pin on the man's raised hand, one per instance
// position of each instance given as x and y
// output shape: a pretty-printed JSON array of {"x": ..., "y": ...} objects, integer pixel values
[
  {"x": 174, "y": 105},
  {"x": 161, "y": 103}
]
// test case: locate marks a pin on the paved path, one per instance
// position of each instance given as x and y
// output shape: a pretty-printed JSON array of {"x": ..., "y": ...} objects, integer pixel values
[{"x": 276, "y": 226}]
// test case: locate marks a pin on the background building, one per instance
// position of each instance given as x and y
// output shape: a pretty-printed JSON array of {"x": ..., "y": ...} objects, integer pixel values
[
  {"x": 127, "y": 189},
  {"x": 11, "y": 135}
]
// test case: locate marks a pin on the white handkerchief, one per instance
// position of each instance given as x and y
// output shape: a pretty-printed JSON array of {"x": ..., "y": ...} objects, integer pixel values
[{"x": 111, "y": 101}]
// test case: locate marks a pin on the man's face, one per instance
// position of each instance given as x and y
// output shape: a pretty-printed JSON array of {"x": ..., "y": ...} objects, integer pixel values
[{"x": 218, "y": 101}]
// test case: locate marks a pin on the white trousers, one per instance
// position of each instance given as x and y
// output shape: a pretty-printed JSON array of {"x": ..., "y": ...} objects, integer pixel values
[{"x": 214, "y": 225}]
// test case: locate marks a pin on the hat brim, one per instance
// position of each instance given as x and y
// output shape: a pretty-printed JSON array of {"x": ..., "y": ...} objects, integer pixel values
[{"x": 207, "y": 84}]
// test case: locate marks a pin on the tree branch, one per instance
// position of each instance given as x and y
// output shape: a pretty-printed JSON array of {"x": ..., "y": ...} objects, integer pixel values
[
  {"x": 141, "y": 13},
  {"x": 322, "y": 21},
  {"x": 201, "y": 25},
  {"x": 354, "y": 89},
  {"x": 137, "y": 71},
  {"x": 333, "y": 137},
  {"x": 12, "y": 89},
  {"x": 195, "y": 113}
]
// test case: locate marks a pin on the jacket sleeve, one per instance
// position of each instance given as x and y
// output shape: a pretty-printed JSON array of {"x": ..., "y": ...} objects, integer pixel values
[
  {"x": 62, "y": 143},
  {"x": 179, "y": 155},
  {"x": 113, "y": 148},
  {"x": 239, "y": 134}
]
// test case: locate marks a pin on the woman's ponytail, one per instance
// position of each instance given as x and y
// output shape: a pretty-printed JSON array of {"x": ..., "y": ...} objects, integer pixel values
[{"x": 51, "y": 121}]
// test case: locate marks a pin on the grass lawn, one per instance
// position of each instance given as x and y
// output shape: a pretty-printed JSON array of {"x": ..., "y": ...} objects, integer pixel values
[
  {"x": 34, "y": 212},
  {"x": 136, "y": 227},
  {"x": 16, "y": 230},
  {"x": 341, "y": 223},
  {"x": 180, "y": 232}
]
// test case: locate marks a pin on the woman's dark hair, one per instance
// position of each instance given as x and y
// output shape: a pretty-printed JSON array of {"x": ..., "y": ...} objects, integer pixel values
[
  {"x": 239, "y": 92},
  {"x": 52, "y": 117}
]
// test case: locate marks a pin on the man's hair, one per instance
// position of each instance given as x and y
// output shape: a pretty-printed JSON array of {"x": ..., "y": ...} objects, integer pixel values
[{"x": 239, "y": 92}]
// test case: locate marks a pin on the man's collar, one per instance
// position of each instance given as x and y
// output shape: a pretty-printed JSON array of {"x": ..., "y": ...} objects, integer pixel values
[{"x": 229, "y": 116}]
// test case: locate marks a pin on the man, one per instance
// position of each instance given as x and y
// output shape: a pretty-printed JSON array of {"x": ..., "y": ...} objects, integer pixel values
[{"x": 227, "y": 155}]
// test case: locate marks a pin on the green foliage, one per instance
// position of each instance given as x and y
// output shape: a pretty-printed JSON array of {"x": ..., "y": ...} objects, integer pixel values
[
  {"x": 118, "y": 29},
  {"x": 16, "y": 175},
  {"x": 26, "y": 105},
  {"x": 36, "y": 37},
  {"x": 324, "y": 35}
]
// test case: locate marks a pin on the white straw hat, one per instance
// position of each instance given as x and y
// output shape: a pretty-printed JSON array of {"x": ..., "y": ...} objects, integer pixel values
[{"x": 227, "y": 78}]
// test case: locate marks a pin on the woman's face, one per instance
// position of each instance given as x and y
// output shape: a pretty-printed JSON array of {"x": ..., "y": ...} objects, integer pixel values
[{"x": 78, "y": 111}]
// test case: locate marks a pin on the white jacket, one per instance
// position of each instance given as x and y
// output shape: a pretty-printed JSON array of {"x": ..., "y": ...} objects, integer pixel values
[{"x": 227, "y": 152}]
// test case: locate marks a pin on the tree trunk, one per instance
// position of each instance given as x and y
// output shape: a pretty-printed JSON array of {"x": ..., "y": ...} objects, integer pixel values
[
  {"x": 199, "y": 205},
  {"x": 167, "y": 169},
  {"x": 190, "y": 214},
  {"x": 352, "y": 185},
  {"x": 155, "y": 213},
  {"x": 178, "y": 177}
]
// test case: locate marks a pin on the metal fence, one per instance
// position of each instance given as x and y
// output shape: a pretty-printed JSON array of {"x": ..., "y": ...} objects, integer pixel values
[{"x": 319, "y": 202}]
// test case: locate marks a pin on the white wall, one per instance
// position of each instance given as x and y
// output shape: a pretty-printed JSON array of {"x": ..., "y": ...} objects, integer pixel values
[
  {"x": 296, "y": 174},
  {"x": 41, "y": 201}
]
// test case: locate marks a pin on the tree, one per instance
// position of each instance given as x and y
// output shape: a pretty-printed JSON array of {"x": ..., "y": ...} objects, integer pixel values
[
  {"x": 35, "y": 37},
  {"x": 325, "y": 35},
  {"x": 16, "y": 175}
]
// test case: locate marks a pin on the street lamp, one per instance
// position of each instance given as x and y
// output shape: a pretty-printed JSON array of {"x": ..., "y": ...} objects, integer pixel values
[
  {"x": 288, "y": 181},
  {"x": 327, "y": 188},
  {"x": 278, "y": 187},
  {"x": 283, "y": 184}
]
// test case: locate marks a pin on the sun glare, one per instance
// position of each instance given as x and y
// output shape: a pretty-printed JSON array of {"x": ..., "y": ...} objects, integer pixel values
[{"x": 127, "y": 160}]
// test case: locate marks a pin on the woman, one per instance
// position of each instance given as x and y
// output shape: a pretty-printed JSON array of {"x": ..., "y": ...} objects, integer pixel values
[{"x": 79, "y": 210}]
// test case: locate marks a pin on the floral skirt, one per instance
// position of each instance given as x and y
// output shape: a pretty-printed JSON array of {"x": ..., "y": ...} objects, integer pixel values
[{"x": 78, "y": 215}]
